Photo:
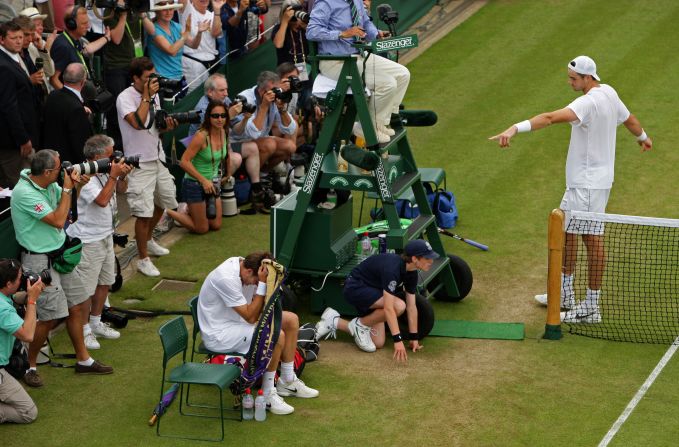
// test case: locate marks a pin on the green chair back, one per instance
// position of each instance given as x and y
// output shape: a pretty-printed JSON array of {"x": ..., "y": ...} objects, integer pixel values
[{"x": 174, "y": 337}]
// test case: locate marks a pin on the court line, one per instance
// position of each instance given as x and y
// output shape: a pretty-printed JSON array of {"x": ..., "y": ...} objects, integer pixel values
[{"x": 640, "y": 393}]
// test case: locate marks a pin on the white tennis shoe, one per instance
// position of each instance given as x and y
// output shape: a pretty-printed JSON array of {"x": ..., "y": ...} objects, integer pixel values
[
  {"x": 361, "y": 335},
  {"x": 582, "y": 314},
  {"x": 296, "y": 388},
  {"x": 327, "y": 326},
  {"x": 567, "y": 302}
]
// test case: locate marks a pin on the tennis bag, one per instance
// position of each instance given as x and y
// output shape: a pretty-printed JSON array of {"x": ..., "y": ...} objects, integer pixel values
[
  {"x": 443, "y": 205},
  {"x": 68, "y": 256}
]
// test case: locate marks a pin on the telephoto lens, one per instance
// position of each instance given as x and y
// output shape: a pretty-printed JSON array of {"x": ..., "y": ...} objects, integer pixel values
[{"x": 211, "y": 199}]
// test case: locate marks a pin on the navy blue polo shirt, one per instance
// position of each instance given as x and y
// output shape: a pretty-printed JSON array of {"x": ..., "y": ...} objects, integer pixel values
[{"x": 385, "y": 271}]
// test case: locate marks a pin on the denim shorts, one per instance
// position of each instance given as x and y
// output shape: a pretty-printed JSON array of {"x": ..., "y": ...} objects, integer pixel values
[{"x": 192, "y": 191}]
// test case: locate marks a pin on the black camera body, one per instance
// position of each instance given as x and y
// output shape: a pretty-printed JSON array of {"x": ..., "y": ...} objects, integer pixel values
[
  {"x": 247, "y": 107},
  {"x": 28, "y": 275},
  {"x": 101, "y": 166},
  {"x": 285, "y": 96},
  {"x": 190, "y": 117},
  {"x": 120, "y": 239},
  {"x": 300, "y": 14}
]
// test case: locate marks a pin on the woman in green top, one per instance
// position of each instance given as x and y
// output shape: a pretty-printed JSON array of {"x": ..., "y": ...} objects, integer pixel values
[{"x": 205, "y": 162}]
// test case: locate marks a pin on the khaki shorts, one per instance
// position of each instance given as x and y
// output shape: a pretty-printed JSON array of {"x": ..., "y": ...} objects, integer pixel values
[
  {"x": 150, "y": 185},
  {"x": 97, "y": 264},
  {"x": 583, "y": 199},
  {"x": 66, "y": 290}
]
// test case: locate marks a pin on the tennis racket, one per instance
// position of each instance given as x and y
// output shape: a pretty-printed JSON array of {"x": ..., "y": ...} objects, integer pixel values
[{"x": 460, "y": 238}]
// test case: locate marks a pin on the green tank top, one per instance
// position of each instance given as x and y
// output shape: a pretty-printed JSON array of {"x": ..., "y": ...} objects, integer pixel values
[{"x": 207, "y": 162}]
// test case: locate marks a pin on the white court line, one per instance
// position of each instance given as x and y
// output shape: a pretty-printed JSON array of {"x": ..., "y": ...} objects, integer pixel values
[{"x": 640, "y": 394}]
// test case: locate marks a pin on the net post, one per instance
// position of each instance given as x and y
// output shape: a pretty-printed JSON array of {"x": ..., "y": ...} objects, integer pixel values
[{"x": 555, "y": 243}]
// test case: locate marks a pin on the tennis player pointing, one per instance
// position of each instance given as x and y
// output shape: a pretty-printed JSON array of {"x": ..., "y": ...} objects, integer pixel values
[{"x": 594, "y": 118}]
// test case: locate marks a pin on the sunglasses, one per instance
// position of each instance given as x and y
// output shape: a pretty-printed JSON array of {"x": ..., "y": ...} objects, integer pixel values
[{"x": 218, "y": 115}]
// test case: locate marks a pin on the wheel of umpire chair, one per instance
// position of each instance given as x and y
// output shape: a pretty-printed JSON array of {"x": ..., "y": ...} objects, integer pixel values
[
  {"x": 463, "y": 278},
  {"x": 288, "y": 298},
  {"x": 425, "y": 318}
]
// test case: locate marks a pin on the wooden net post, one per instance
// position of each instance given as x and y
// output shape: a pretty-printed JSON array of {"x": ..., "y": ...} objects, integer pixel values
[{"x": 555, "y": 244}]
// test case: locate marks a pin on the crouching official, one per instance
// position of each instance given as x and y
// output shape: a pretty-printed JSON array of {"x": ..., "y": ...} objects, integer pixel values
[
  {"x": 15, "y": 404},
  {"x": 229, "y": 306}
]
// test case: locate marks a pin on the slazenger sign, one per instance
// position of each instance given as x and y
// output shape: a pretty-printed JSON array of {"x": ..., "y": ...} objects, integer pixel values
[
  {"x": 385, "y": 192},
  {"x": 313, "y": 173},
  {"x": 397, "y": 43}
]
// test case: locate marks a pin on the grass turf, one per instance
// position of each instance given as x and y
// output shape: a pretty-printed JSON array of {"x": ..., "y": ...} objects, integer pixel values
[{"x": 505, "y": 64}]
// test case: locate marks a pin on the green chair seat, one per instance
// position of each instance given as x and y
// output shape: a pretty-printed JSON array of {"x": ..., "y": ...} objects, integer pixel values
[{"x": 205, "y": 374}]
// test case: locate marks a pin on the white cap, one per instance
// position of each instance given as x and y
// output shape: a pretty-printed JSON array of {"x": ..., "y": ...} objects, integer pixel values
[
  {"x": 32, "y": 13},
  {"x": 584, "y": 65},
  {"x": 160, "y": 5}
]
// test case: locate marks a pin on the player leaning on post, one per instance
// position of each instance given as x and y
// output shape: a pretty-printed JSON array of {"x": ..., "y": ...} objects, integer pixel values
[{"x": 594, "y": 118}]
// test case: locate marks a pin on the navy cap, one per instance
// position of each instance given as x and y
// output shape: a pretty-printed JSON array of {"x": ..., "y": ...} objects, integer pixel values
[{"x": 421, "y": 249}]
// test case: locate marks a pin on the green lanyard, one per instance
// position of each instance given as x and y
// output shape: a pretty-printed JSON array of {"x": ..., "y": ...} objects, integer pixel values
[
  {"x": 82, "y": 59},
  {"x": 138, "y": 50}
]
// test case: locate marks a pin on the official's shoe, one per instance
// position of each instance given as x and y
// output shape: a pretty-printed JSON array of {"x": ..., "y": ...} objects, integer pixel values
[
  {"x": 382, "y": 137},
  {"x": 94, "y": 368},
  {"x": 296, "y": 388},
  {"x": 387, "y": 131},
  {"x": 103, "y": 330},
  {"x": 567, "y": 302},
  {"x": 582, "y": 314},
  {"x": 146, "y": 267},
  {"x": 276, "y": 404},
  {"x": 91, "y": 342},
  {"x": 327, "y": 327},
  {"x": 361, "y": 335},
  {"x": 155, "y": 249},
  {"x": 33, "y": 379}
]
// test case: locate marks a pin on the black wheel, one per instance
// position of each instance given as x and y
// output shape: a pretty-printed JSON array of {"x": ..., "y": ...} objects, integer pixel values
[
  {"x": 463, "y": 278},
  {"x": 288, "y": 299},
  {"x": 425, "y": 318}
]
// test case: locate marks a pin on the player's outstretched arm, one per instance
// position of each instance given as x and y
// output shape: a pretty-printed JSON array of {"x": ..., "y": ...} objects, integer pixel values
[
  {"x": 541, "y": 121},
  {"x": 632, "y": 124}
]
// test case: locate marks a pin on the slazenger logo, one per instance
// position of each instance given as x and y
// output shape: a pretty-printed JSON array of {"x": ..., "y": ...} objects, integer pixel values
[
  {"x": 382, "y": 182},
  {"x": 393, "y": 173},
  {"x": 393, "y": 43},
  {"x": 313, "y": 173},
  {"x": 339, "y": 181},
  {"x": 363, "y": 183}
]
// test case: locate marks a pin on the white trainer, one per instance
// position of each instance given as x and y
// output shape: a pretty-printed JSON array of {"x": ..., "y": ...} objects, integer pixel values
[
  {"x": 155, "y": 249},
  {"x": 361, "y": 335},
  {"x": 296, "y": 388},
  {"x": 103, "y": 330},
  {"x": 582, "y": 314},
  {"x": 386, "y": 130},
  {"x": 91, "y": 342},
  {"x": 327, "y": 327},
  {"x": 146, "y": 267},
  {"x": 276, "y": 404},
  {"x": 567, "y": 302}
]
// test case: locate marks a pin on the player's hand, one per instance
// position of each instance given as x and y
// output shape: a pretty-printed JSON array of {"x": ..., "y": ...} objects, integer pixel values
[
  {"x": 400, "y": 354},
  {"x": 415, "y": 345},
  {"x": 504, "y": 137},
  {"x": 262, "y": 273},
  {"x": 646, "y": 145}
]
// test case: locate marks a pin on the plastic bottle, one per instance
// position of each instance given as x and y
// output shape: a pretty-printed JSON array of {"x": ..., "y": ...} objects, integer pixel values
[
  {"x": 342, "y": 165},
  {"x": 248, "y": 406},
  {"x": 260, "y": 407},
  {"x": 366, "y": 245}
]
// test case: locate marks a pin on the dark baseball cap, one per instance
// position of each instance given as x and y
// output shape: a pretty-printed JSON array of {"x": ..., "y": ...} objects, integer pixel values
[{"x": 421, "y": 249}]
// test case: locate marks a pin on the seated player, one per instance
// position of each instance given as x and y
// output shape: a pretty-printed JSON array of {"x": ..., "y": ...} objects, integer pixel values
[{"x": 372, "y": 288}]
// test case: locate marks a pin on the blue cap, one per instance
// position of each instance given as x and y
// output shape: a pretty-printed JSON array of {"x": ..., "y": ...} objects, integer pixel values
[{"x": 421, "y": 249}]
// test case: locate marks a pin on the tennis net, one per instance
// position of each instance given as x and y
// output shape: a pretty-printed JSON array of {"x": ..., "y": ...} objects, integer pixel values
[{"x": 634, "y": 262}]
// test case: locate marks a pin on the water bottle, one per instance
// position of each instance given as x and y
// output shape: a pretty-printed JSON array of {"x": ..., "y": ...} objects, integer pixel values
[
  {"x": 248, "y": 406},
  {"x": 366, "y": 245},
  {"x": 260, "y": 407}
]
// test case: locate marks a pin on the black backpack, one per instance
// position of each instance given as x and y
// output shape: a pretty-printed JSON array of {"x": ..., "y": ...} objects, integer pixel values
[{"x": 18, "y": 360}]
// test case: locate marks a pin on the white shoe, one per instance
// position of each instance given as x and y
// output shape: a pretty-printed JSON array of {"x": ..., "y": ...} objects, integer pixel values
[
  {"x": 327, "y": 327},
  {"x": 276, "y": 404},
  {"x": 146, "y": 267},
  {"x": 361, "y": 335},
  {"x": 582, "y": 314},
  {"x": 296, "y": 388},
  {"x": 358, "y": 130},
  {"x": 91, "y": 342},
  {"x": 567, "y": 302},
  {"x": 386, "y": 130},
  {"x": 155, "y": 249},
  {"x": 103, "y": 330},
  {"x": 382, "y": 137}
]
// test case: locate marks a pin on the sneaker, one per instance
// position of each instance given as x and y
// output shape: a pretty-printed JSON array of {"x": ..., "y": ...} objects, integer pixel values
[
  {"x": 91, "y": 342},
  {"x": 296, "y": 388},
  {"x": 103, "y": 330},
  {"x": 146, "y": 267},
  {"x": 155, "y": 249},
  {"x": 387, "y": 131},
  {"x": 566, "y": 302},
  {"x": 582, "y": 314},
  {"x": 33, "y": 379},
  {"x": 361, "y": 335},
  {"x": 276, "y": 404},
  {"x": 94, "y": 368},
  {"x": 327, "y": 327}
]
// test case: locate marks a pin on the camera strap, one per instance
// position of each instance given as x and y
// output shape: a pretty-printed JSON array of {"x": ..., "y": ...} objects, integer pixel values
[
  {"x": 79, "y": 52},
  {"x": 152, "y": 115}
]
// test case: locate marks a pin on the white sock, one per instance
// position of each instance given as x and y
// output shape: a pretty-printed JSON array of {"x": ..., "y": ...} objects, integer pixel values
[
  {"x": 87, "y": 362},
  {"x": 592, "y": 299},
  {"x": 87, "y": 329},
  {"x": 566, "y": 284},
  {"x": 267, "y": 381},
  {"x": 95, "y": 320},
  {"x": 32, "y": 368},
  {"x": 288, "y": 371}
]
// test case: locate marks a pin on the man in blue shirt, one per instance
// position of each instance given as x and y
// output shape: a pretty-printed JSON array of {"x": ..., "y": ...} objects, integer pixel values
[
  {"x": 335, "y": 24},
  {"x": 372, "y": 288}
]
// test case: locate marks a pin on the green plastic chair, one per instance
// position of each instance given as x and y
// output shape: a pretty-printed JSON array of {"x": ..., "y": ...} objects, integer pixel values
[{"x": 174, "y": 337}]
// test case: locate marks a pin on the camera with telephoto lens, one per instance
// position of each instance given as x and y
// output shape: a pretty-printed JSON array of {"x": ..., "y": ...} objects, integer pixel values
[
  {"x": 101, "y": 166},
  {"x": 211, "y": 199},
  {"x": 28, "y": 275},
  {"x": 282, "y": 95},
  {"x": 247, "y": 107},
  {"x": 190, "y": 117},
  {"x": 300, "y": 14},
  {"x": 120, "y": 239}
]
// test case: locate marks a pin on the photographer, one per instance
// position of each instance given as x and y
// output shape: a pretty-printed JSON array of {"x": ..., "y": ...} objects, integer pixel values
[
  {"x": 39, "y": 212},
  {"x": 67, "y": 121},
  {"x": 271, "y": 110},
  {"x": 289, "y": 37},
  {"x": 240, "y": 20},
  {"x": 151, "y": 188},
  {"x": 205, "y": 161},
  {"x": 97, "y": 215},
  {"x": 15, "y": 404}
]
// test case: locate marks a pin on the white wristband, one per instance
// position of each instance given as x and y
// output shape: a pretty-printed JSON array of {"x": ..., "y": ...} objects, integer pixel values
[
  {"x": 523, "y": 126},
  {"x": 261, "y": 288},
  {"x": 643, "y": 137}
]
